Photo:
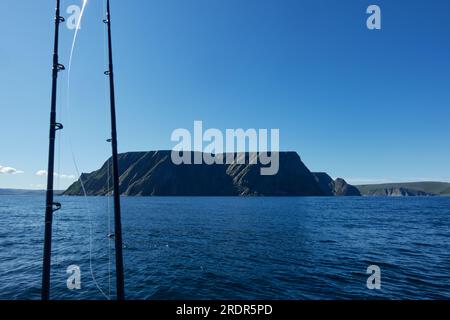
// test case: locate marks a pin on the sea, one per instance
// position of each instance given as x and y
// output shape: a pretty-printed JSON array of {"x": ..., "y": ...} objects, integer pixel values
[{"x": 299, "y": 248}]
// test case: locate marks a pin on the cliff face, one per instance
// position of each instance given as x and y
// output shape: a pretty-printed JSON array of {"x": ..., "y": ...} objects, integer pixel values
[
  {"x": 342, "y": 188},
  {"x": 338, "y": 187},
  {"x": 154, "y": 174},
  {"x": 424, "y": 188},
  {"x": 398, "y": 192}
]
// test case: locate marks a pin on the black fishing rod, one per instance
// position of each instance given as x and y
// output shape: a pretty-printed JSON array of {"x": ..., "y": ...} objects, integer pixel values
[
  {"x": 115, "y": 166},
  {"x": 51, "y": 206}
]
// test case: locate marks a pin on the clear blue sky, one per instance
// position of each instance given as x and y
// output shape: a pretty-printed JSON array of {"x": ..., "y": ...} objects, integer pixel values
[{"x": 365, "y": 105}]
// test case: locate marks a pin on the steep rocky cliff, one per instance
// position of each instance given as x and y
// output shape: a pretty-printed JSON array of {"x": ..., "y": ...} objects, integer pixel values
[
  {"x": 338, "y": 187},
  {"x": 154, "y": 174}
]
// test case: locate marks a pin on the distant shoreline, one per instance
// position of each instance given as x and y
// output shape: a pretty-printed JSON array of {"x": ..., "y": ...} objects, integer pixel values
[
  {"x": 25, "y": 192},
  {"x": 405, "y": 189}
]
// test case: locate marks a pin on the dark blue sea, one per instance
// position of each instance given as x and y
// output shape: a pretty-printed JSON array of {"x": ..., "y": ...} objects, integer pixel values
[{"x": 232, "y": 248}]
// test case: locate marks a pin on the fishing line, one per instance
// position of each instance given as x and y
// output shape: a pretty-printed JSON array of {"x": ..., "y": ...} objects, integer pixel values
[
  {"x": 75, "y": 38},
  {"x": 73, "y": 154},
  {"x": 90, "y": 232}
]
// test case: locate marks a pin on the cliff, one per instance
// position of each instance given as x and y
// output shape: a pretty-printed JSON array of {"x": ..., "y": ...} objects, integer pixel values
[
  {"x": 154, "y": 174},
  {"x": 338, "y": 187},
  {"x": 410, "y": 189}
]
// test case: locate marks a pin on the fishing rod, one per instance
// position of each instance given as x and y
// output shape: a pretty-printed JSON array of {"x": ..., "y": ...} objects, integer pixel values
[
  {"x": 51, "y": 206},
  {"x": 117, "y": 214}
]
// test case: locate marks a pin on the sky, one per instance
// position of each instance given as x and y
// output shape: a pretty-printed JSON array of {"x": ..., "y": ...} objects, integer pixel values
[{"x": 366, "y": 105}]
